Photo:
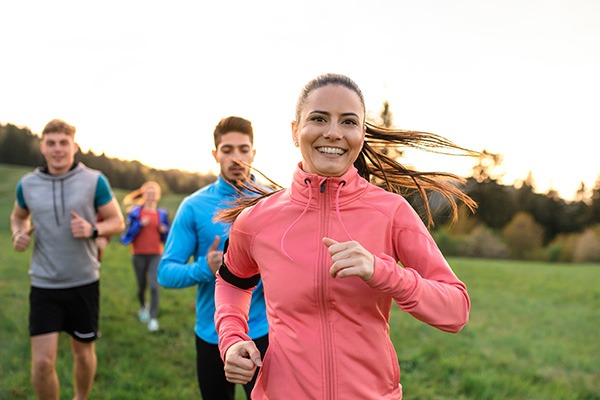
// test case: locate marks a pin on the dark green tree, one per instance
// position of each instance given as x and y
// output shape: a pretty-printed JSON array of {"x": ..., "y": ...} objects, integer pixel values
[
  {"x": 19, "y": 146},
  {"x": 595, "y": 203},
  {"x": 496, "y": 203}
]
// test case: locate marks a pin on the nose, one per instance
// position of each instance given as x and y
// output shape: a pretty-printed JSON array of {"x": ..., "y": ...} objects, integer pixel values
[
  {"x": 235, "y": 155},
  {"x": 333, "y": 132}
]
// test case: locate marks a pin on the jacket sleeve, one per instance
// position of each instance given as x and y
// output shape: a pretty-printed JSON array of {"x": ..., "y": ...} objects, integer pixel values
[
  {"x": 231, "y": 316},
  {"x": 134, "y": 226},
  {"x": 164, "y": 219},
  {"x": 233, "y": 290},
  {"x": 174, "y": 269},
  {"x": 423, "y": 285}
]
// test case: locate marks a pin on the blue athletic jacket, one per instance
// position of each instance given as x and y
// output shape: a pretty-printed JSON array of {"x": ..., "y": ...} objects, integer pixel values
[
  {"x": 192, "y": 233},
  {"x": 134, "y": 226}
]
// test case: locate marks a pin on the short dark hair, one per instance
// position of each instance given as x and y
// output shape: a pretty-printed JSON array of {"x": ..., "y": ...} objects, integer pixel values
[{"x": 233, "y": 124}]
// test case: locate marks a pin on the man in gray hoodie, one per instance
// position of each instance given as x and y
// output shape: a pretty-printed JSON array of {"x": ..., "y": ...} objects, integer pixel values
[{"x": 60, "y": 205}]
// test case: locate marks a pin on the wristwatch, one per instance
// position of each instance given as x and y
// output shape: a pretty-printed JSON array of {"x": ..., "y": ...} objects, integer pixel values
[{"x": 94, "y": 234}]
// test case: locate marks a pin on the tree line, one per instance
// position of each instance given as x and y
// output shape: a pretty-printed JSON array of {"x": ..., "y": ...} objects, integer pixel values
[
  {"x": 19, "y": 146},
  {"x": 510, "y": 221}
]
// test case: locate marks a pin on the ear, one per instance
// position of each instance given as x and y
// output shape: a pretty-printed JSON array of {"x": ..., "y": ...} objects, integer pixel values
[
  {"x": 214, "y": 154},
  {"x": 295, "y": 133},
  {"x": 364, "y": 134}
]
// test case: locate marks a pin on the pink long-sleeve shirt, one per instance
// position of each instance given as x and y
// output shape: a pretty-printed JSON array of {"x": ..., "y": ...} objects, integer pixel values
[{"x": 329, "y": 337}]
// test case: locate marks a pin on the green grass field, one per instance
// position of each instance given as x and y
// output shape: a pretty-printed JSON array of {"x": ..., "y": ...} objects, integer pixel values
[{"x": 533, "y": 332}]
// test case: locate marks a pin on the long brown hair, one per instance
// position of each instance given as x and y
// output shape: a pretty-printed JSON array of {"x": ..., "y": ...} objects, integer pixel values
[{"x": 376, "y": 165}]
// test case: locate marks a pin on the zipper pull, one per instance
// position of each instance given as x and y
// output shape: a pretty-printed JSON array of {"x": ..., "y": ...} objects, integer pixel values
[{"x": 322, "y": 189}]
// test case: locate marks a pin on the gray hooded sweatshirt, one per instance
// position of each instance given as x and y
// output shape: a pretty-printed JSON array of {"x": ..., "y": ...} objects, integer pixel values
[{"x": 58, "y": 259}]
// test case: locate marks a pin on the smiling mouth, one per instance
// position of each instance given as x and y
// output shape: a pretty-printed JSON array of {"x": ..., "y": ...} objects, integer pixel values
[{"x": 331, "y": 150}]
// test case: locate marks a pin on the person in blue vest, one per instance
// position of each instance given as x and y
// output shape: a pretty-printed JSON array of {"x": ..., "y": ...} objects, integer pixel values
[{"x": 195, "y": 235}]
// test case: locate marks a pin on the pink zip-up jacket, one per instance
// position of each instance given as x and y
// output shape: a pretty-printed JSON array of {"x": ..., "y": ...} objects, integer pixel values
[{"x": 329, "y": 338}]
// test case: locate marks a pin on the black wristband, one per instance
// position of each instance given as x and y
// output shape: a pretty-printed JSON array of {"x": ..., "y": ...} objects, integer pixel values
[{"x": 94, "y": 234}]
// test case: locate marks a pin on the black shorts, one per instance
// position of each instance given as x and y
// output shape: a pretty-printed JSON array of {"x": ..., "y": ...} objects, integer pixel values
[{"x": 73, "y": 310}]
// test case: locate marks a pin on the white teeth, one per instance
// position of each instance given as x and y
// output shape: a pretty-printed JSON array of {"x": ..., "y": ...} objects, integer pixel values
[{"x": 331, "y": 150}]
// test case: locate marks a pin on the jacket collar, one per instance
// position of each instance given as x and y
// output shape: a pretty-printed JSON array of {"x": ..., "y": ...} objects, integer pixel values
[
  {"x": 227, "y": 189},
  {"x": 44, "y": 174},
  {"x": 308, "y": 189},
  {"x": 346, "y": 187}
]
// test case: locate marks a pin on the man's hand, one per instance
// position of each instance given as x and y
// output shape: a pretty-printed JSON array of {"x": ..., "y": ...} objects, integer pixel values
[
  {"x": 101, "y": 242},
  {"x": 214, "y": 257},
  {"x": 22, "y": 239},
  {"x": 80, "y": 228}
]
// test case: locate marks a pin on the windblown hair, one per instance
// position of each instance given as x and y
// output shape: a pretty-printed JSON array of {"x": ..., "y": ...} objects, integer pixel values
[
  {"x": 375, "y": 165},
  {"x": 59, "y": 126},
  {"x": 136, "y": 197}
]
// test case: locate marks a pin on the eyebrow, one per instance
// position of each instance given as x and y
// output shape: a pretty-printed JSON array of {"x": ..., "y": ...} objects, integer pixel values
[
  {"x": 56, "y": 140},
  {"x": 240, "y": 146},
  {"x": 351, "y": 114}
]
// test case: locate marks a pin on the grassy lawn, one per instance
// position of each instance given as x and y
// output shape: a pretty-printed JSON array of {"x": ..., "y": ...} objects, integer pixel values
[{"x": 532, "y": 332}]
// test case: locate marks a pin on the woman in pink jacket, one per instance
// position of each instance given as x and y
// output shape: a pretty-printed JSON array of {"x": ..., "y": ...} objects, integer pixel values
[{"x": 334, "y": 252}]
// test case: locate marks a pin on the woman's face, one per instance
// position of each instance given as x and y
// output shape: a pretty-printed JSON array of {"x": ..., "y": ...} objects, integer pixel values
[
  {"x": 331, "y": 130},
  {"x": 151, "y": 193}
]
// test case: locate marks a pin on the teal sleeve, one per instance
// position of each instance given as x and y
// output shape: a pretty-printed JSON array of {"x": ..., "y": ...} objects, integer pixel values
[
  {"x": 104, "y": 193},
  {"x": 20, "y": 197}
]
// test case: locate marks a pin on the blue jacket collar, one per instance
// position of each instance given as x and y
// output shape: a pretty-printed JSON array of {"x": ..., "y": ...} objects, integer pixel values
[{"x": 227, "y": 188}]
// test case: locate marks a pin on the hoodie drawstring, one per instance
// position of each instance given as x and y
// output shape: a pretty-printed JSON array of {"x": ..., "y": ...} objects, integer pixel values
[
  {"x": 54, "y": 202},
  {"x": 337, "y": 208},
  {"x": 281, "y": 245},
  {"x": 62, "y": 195},
  {"x": 337, "y": 213},
  {"x": 62, "y": 200}
]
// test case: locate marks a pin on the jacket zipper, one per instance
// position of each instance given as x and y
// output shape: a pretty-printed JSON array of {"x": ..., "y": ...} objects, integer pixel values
[{"x": 323, "y": 273}]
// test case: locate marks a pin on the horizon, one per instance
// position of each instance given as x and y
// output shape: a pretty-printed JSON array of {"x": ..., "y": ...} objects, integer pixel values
[
  {"x": 518, "y": 78},
  {"x": 215, "y": 172}
]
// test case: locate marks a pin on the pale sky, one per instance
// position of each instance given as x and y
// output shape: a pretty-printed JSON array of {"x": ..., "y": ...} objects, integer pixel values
[{"x": 149, "y": 80}]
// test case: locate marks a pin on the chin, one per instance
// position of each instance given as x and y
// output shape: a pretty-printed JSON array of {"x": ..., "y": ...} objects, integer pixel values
[
  {"x": 233, "y": 178},
  {"x": 331, "y": 171}
]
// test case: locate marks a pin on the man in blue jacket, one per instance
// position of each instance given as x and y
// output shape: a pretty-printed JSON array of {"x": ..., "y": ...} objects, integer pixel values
[{"x": 195, "y": 235}]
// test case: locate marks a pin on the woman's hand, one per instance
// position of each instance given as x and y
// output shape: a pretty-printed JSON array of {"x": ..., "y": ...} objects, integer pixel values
[
  {"x": 241, "y": 361},
  {"x": 350, "y": 259}
]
